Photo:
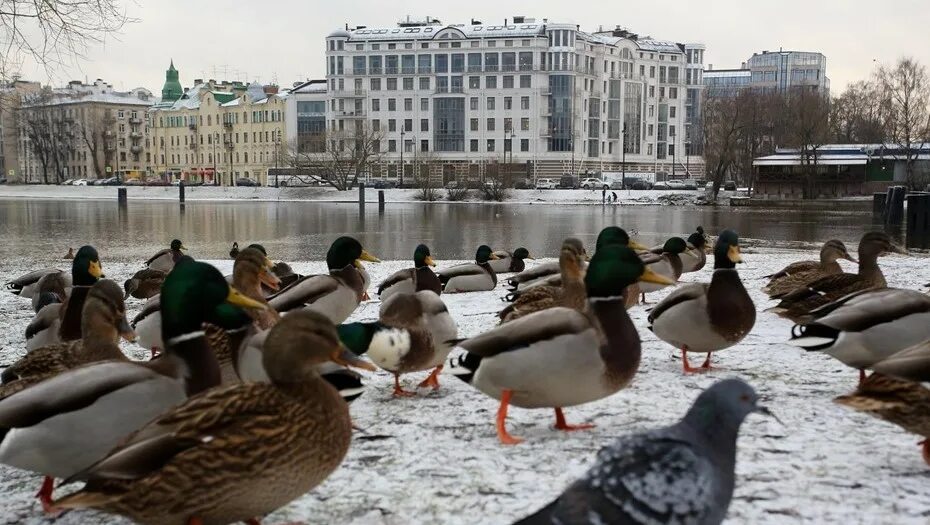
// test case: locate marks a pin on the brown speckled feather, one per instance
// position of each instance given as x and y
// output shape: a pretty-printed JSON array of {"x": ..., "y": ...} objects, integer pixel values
[{"x": 903, "y": 403}]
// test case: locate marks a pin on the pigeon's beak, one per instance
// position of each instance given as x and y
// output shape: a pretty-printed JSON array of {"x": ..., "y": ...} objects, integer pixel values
[{"x": 764, "y": 410}]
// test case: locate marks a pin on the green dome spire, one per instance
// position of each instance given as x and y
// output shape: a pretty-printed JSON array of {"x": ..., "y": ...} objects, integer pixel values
[{"x": 172, "y": 90}]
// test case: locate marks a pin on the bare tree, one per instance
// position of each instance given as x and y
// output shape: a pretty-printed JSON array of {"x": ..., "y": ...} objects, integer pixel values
[
  {"x": 721, "y": 129},
  {"x": 905, "y": 96},
  {"x": 51, "y": 32},
  {"x": 96, "y": 132},
  {"x": 39, "y": 138},
  {"x": 808, "y": 131},
  {"x": 495, "y": 187},
  {"x": 425, "y": 165},
  {"x": 855, "y": 115},
  {"x": 346, "y": 156}
]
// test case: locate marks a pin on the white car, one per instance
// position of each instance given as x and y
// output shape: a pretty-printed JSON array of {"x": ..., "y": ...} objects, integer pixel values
[
  {"x": 593, "y": 183},
  {"x": 676, "y": 185},
  {"x": 546, "y": 184},
  {"x": 80, "y": 182}
]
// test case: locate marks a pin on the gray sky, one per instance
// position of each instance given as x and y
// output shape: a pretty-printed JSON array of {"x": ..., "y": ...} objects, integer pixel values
[{"x": 283, "y": 39}]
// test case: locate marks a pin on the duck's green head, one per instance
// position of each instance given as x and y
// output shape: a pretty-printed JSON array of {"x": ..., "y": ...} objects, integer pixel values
[
  {"x": 422, "y": 257},
  {"x": 357, "y": 336},
  {"x": 347, "y": 251},
  {"x": 697, "y": 240},
  {"x": 484, "y": 254},
  {"x": 86, "y": 269},
  {"x": 726, "y": 251},
  {"x": 191, "y": 294},
  {"x": 613, "y": 268},
  {"x": 617, "y": 235},
  {"x": 521, "y": 253},
  {"x": 177, "y": 245},
  {"x": 228, "y": 317},
  {"x": 675, "y": 245},
  {"x": 260, "y": 248}
]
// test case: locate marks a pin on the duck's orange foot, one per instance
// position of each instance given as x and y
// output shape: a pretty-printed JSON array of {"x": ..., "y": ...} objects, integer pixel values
[
  {"x": 502, "y": 434},
  {"x": 706, "y": 365},
  {"x": 400, "y": 392},
  {"x": 432, "y": 381},
  {"x": 687, "y": 368},
  {"x": 45, "y": 497},
  {"x": 366, "y": 297},
  {"x": 560, "y": 423}
]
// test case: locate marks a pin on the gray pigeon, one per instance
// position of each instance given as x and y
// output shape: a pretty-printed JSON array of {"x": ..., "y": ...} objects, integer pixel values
[{"x": 681, "y": 474}]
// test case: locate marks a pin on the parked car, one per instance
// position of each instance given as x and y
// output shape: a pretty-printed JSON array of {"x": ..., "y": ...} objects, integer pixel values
[
  {"x": 546, "y": 184},
  {"x": 634, "y": 183},
  {"x": 155, "y": 182},
  {"x": 382, "y": 184},
  {"x": 2, "y": 180},
  {"x": 133, "y": 182},
  {"x": 592, "y": 183},
  {"x": 661, "y": 185},
  {"x": 112, "y": 181},
  {"x": 676, "y": 185},
  {"x": 67, "y": 182},
  {"x": 690, "y": 184},
  {"x": 80, "y": 182},
  {"x": 729, "y": 185},
  {"x": 567, "y": 182},
  {"x": 244, "y": 181}
]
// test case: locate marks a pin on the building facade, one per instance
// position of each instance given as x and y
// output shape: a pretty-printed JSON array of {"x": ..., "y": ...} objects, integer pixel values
[
  {"x": 542, "y": 98},
  {"x": 87, "y": 131},
  {"x": 772, "y": 72},
  {"x": 11, "y": 97},
  {"x": 216, "y": 132}
]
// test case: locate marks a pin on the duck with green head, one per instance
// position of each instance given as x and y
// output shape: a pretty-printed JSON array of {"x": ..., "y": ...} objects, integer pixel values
[
  {"x": 64, "y": 425},
  {"x": 695, "y": 257},
  {"x": 412, "y": 334},
  {"x": 561, "y": 357},
  {"x": 61, "y": 322},
  {"x": 476, "y": 277},
  {"x": 411, "y": 280},
  {"x": 510, "y": 262},
  {"x": 335, "y": 295},
  {"x": 707, "y": 317},
  {"x": 165, "y": 259},
  {"x": 667, "y": 263}
]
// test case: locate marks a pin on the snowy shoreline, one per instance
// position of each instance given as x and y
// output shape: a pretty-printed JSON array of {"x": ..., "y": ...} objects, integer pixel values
[
  {"x": 435, "y": 458},
  {"x": 329, "y": 195}
]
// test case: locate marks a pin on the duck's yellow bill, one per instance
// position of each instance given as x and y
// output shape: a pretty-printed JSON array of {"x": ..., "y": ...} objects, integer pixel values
[
  {"x": 270, "y": 280},
  {"x": 429, "y": 261},
  {"x": 637, "y": 246},
  {"x": 237, "y": 298},
  {"x": 650, "y": 276},
  {"x": 368, "y": 257},
  {"x": 345, "y": 357},
  {"x": 734, "y": 255},
  {"x": 268, "y": 264},
  {"x": 95, "y": 269},
  {"x": 493, "y": 257}
]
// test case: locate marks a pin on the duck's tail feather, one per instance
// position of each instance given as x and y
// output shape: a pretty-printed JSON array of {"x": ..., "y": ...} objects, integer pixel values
[{"x": 464, "y": 366}]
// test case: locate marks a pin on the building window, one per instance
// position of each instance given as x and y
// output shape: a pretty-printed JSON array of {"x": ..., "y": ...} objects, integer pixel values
[
  {"x": 490, "y": 124},
  {"x": 508, "y": 81},
  {"x": 490, "y": 82},
  {"x": 524, "y": 144},
  {"x": 408, "y": 104},
  {"x": 392, "y": 84},
  {"x": 392, "y": 104},
  {"x": 392, "y": 125},
  {"x": 408, "y": 83},
  {"x": 508, "y": 124},
  {"x": 424, "y": 83},
  {"x": 474, "y": 124},
  {"x": 672, "y": 111},
  {"x": 490, "y": 145},
  {"x": 424, "y": 124},
  {"x": 392, "y": 146},
  {"x": 424, "y": 145},
  {"x": 473, "y": 145},
  {"x": 524, "y": 103},
  {"x": 408, "y": 124},
  {"x": 526, "y": 81},
  {"x": 491, "y": 103},
  {"x": 376, "y": 104},
  {"x": 376, "y": 125},
  {"x": 508, "y": 103},
  {"x": 376, "y": 84},
  {"x": 474, "y": 82},
  {"x": 424, "y": 104},
  {"x": 524, "y": 124},
  {"x": 673, "y": 93},
  {"x": 473, "y": 103}
]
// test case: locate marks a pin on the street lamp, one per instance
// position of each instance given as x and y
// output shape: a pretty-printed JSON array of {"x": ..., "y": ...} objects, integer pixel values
[
  {"x": 688, "y": 159},
  {"x": 402, "y": 146},
  {"x": 216, "y": 137},
  {"x": 674, "y": 152},
  {"x": 277, "y": 148},
  {"x": 623, "y": 160}
]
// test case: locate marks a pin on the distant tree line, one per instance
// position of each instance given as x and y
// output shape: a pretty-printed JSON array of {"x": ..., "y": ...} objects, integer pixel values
[{"x": 890, "y": 108}]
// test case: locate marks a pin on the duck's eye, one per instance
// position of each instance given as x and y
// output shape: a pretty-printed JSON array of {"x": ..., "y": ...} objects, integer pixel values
[{"x": 391, "y": 341}]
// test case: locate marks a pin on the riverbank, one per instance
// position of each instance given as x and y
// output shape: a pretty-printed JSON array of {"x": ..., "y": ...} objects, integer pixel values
[
  {"x": 435, "y": 458},
  {"x": 320, "y": 194}
]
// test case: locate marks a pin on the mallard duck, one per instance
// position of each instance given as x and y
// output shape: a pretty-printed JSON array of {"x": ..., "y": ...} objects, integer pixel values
[
  {"x": 707, "y": 317},
  {"x": 236, "y": 453},
  {"x": 55, "y": 283},
  {"x": 165, "y": 259},
  {"x": 508, "y": 262},
  {"x": 800, "y": 302},
  {"x": 65, "y": 424},
  {"x": 61, "y": 322},
  {"x": 695, "y": 257},
  {"x": 911, "y": 363},
  {"x": 234, "y": 252},
  {"x": 472, "y": 277},
  {"x": 903, "y": 403},
  {"x": 251, "y": 274},
  {"x": 70, "y": 255},
  {"x": 103, "y": 322},
  {"x": 335, "y": 295},
  {"x": 144, "y": 284},
  {"x": 667, "y": 263},
  {"x": 571, "y": 293},
  {"x": 413, "y": 333},
  {"x": 25, "y": 285},
  {"x": 561, "y": 357},
  {"x": 803, "y": 272},
  {"x": 412, "y": 280},
  {"x": 866, "y": 327}
]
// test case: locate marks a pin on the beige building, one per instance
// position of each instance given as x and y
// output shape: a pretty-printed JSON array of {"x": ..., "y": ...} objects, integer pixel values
[
  {"x": 82, "y": 131},
  {"x": 216, "y": 132},
  {"x": 10, "y": 99}
]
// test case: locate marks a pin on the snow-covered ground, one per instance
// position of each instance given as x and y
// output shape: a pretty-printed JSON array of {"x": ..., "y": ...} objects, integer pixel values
[
  {"x": 435, "y": 458},
  {"x": 320, "y": 194}
]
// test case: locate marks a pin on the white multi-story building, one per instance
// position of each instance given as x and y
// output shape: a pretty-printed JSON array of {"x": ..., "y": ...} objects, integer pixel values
[
  {"x": 544, "y": 98},
  {"x": 771, "y": 72}
]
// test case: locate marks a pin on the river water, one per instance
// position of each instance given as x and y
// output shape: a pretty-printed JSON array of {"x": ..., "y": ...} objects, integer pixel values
[{"x": 303, "y": 230}]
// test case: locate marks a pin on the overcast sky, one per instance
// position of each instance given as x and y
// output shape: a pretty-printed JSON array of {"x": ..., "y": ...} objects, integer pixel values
[{"x": 282, "y": 40}]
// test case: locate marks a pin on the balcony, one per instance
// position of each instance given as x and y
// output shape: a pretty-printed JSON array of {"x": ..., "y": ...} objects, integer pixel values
[
  {"x": 136, "y": 135},
  {"x": 351, "y": 93},
  {"x": 135, "y": 121},
  {"x": 136, "y": 149},
  {"x": 192, "y": 126},
  {"x": 227, "y": 124},
  {"x": 229, "y": 145},
  {"x": 446, "y": 90},
  {"x": 351, "y": 113},
  {"x": 193, "y": 145}
]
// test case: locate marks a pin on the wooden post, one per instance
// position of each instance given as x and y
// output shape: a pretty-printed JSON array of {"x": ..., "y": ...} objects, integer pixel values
[
  {"x": 361, "y": 195},
  {"x": 181, "y": 191},
  {"x": 380, "y": 200},
  {"x": 918, "y": 221},
  {"x": 121, "y": 197},
  {"x": 878, "y": 204},
  {"x": 894, "y": 207}
]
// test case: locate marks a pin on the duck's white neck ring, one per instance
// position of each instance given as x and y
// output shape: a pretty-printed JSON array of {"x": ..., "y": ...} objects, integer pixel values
[
  {"x": 186, "y": 337},
  {"x": 606, "y": 299}
]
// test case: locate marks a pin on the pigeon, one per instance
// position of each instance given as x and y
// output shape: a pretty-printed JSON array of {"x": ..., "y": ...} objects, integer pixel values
[{"x": 678, "y": 474}]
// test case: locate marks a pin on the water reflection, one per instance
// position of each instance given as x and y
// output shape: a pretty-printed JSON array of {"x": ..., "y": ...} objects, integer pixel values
[{"x": 295, "y": 231}]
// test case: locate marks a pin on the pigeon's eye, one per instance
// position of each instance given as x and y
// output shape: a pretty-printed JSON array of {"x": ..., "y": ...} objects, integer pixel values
[{"x": 744, "y": 397}]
